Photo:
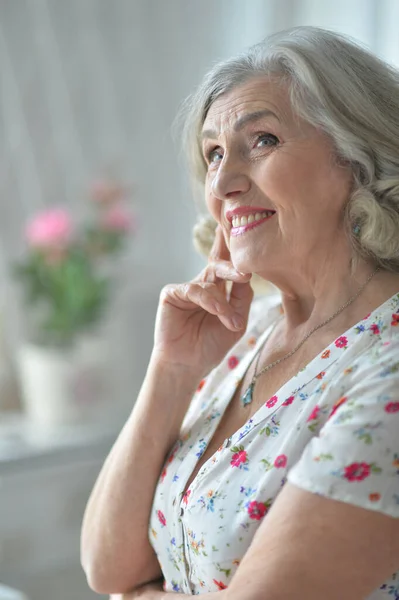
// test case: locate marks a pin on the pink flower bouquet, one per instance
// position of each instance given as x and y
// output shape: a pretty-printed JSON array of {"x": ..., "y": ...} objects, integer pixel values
[{"x": 61, "y": 272}]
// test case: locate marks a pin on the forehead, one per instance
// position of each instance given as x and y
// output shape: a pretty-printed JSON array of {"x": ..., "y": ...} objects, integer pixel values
[{"x": 256, "y": 95}]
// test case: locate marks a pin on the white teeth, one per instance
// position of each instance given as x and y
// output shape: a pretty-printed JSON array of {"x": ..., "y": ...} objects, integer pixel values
[{"x": 241, "y": 221}]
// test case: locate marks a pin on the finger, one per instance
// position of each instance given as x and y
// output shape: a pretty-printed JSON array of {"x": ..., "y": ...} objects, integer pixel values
[
  {"x": 206, "y": 296},
  {"x": 222, "y": 270},
  {"x": 241, "y": 296},
  {"x": 219, "y": 250}
]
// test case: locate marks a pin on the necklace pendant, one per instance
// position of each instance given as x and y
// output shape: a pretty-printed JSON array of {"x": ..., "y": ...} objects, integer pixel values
[{"x": 247, "y": 397}]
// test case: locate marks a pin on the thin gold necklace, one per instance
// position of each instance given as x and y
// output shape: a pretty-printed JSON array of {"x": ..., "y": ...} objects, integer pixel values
[{"x": 248, "y": 395}]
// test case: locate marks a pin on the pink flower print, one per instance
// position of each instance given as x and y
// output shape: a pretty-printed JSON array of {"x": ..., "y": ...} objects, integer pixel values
[
  {"x": 392, "y": 407},
  {"x": 281, "y": 461},
  {"x": 238, "y": 458},
  {"x": 289, "y": 400},
  {"x": 395, "y": 320},
  {"x": 375, "y": 329},
  {"x": 341, "y": 342},
  {"x": 357, "y": 471},
  {"x": 256, "y": 510},
  {"x": 232, "y": 362},
  {"x": 271, "y": 402},
  {"x": 326, "y": 354},
  {"x": 186, "y": 496},
  {"x": 337, "y": 405},
  {"x": 314, "y": 414},
  {"x": 161, "y": 518}
]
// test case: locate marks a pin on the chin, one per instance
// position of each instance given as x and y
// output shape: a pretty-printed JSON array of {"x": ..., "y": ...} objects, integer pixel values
[{"x": 246, "y": 263}]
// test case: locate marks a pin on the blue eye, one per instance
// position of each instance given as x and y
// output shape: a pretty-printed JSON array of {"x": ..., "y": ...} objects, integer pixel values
[
  {"x": 210, "y": 155},
  {"x": 268, "y": 137}
]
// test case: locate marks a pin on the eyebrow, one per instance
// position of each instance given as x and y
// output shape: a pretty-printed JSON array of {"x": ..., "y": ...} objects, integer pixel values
[{"x": 242, "y": 121}]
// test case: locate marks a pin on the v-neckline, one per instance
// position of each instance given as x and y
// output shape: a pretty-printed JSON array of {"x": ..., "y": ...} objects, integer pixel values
[{"x": 330, "y": 354}]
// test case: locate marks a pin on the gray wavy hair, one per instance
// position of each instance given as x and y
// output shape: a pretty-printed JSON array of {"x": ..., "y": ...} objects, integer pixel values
[{"x": 341, "y": 88}]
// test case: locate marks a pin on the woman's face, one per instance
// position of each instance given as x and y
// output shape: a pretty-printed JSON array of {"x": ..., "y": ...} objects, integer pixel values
[{"x": 262, "y": 157}]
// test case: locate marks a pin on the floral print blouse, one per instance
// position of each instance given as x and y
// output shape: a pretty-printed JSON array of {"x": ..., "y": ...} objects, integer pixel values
[{"x": 333, "y": 429}]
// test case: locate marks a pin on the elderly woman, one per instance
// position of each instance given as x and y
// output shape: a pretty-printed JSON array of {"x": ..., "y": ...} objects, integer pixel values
[{"x": 261, "y": 459}]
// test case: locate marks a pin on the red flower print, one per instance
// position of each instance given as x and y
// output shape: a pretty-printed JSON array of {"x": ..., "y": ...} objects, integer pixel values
[
  {"x": 186, "y": 496},
  {"x": 375, "y": 329},
  {"x": 161, "y": 518},
  {"x": 366, "y": 317},
  {"x": 171, "y": 457},
  {"x": 232, "y": 362},
  {"x": 374, "y": 497},
  {"x": 289, "y": 400},
  {"x": 220, "y": 584},
  {"x": 337, "y": 405},
  {"x": 201, "y": 385},
  {"x": 238, "y": 458},
  {"x": 357, "y": 471},
  {"x": 280, "y": 461},
  {"x": 256, "y": 510},
  {"x": 163, "y": 474},
  {"x": 321, "y": 375},
  {"x": 395, "y": 320},
  {"x": 271, "y": 402},
  {"x": 325, "y": 354},
  {"x": 341, "y": 342},
  {"x": 314, "y": 414},
  {"x": 392, "y": 407}
]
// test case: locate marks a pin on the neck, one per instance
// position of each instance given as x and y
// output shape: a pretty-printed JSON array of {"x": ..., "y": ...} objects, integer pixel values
[{"x": 304, "y": 310}]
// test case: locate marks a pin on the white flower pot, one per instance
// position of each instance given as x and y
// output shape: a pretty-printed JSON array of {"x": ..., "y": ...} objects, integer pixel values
[{"x": 62, "y": 387}]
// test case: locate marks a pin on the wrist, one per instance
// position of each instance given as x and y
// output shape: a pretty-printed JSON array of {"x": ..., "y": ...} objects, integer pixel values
[{"x": 165, "y": 369}]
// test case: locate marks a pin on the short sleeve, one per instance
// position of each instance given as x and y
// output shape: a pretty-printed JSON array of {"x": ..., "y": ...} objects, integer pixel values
[{"x": 355, "y": 457}]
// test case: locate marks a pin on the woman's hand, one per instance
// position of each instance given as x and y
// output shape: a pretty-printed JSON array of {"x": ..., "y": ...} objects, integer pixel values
[{"x": 198, "y": 322}]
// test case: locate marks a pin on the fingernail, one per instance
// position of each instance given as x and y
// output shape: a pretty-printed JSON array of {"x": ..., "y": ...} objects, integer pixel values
[{"x": 238, "y": 321}]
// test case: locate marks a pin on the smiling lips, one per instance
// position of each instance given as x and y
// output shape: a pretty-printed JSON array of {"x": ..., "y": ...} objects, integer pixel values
[{"x": 241, "y": 224}]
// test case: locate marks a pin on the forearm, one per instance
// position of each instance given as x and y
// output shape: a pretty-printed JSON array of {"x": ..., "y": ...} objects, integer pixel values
[{"x": 115, "y": 544}]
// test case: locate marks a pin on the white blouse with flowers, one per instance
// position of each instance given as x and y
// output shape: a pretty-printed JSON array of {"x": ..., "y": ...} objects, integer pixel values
[{"x": 333, "y": 429}]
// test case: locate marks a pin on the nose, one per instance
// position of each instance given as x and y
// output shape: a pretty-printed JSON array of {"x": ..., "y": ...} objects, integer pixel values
[{"x": 230, "y": 180}]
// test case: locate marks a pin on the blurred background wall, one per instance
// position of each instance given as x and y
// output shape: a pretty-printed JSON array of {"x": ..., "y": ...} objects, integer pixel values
[{"x": 90, "y": 87}]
